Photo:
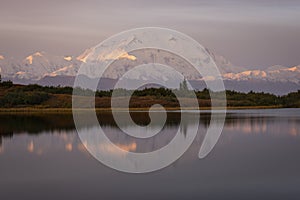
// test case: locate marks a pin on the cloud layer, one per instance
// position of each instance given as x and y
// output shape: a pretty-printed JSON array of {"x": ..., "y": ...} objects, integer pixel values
[{"x": 250, "y": 33}]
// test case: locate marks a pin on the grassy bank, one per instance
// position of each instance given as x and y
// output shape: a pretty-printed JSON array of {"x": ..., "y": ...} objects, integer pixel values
[{"x": 40, "y": 110}]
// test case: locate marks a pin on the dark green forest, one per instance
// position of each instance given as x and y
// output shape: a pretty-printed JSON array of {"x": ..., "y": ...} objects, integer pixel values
[{"x": 12, "y": 95}]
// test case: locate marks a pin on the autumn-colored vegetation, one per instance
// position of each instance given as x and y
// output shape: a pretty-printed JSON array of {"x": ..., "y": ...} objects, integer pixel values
[{"x": 22, "y": 96}]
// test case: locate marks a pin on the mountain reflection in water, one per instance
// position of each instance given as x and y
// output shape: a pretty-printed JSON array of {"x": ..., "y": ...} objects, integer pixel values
[{"x": 257, "y": 156}]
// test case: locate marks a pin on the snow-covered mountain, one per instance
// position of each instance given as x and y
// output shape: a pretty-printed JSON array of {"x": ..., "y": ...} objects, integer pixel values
[
  {"x": 275, "y": 74},
  {"x": 41, "y": 64},
  {"x": 37, "y": 67}
]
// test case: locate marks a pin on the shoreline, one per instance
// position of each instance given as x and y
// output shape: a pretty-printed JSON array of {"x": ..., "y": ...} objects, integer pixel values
[{"x": 70, "y": 110}]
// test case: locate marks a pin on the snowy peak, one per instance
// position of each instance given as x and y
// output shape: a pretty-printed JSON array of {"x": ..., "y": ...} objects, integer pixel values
[
  {"x": 246, "y": 75},
  {"x": 38, "y": 65},
  {"x": 83, "y": 57},
  {"x": 116, "y": 54},
  {"x": 274, "y": 73},
  {"x": 41, "y": 64},
  {"x": 36, "y": 56},
  {"x": 68, "y": 58},
  {"x": 294, "y": 69},
  {"x": 129, "y": 60}
]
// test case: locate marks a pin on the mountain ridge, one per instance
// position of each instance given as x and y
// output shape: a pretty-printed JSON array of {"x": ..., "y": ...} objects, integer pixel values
[{"x": 39, "y": 66}]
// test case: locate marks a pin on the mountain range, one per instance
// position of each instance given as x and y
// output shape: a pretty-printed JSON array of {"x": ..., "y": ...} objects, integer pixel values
[{"x": 46, "y": 69}]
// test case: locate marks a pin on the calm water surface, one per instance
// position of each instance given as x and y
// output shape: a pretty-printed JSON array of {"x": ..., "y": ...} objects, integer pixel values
[{"x": 257, "y": 157}]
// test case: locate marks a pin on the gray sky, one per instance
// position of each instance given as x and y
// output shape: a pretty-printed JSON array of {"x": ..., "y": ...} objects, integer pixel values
[{"x": 248, "y": 33}]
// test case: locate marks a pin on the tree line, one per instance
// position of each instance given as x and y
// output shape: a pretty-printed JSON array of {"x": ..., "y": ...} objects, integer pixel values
[{"x": 27, "y": 95}]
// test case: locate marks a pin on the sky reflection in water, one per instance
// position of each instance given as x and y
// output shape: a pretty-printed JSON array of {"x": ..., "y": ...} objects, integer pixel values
[{"x": 257, "y": 156}]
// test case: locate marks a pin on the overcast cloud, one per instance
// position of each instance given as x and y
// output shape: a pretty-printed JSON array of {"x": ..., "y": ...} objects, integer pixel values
[{"x": 249, "y": 33}]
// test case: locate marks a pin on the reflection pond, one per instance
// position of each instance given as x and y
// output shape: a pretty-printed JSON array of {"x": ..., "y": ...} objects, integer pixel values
[{"x": 257, "y": 156}]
